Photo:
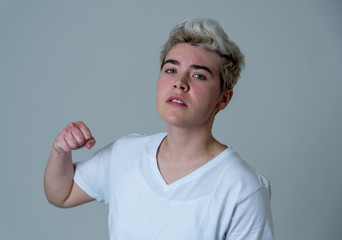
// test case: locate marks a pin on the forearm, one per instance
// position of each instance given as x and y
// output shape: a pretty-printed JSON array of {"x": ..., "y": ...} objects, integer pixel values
[
  {"x": 59, "y": 185},
  {"x": 58, "y": 178}
]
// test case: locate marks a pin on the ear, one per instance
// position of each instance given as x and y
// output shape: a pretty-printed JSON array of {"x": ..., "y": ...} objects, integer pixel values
[{"x": 225, "y": 98}]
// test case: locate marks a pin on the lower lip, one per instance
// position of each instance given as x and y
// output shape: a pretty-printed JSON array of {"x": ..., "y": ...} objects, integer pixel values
[{"x": 176, "y": 104}]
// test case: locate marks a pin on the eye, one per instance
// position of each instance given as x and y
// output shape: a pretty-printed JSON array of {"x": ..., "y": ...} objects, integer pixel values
[
  {"x": 199, "y": 76},
  {"x": 170, "y": 71}
]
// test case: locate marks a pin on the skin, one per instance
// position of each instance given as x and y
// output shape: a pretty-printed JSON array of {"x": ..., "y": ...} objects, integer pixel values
[
  {"x": 59, "y": 186},
  {"x": 190, "y": 75}
]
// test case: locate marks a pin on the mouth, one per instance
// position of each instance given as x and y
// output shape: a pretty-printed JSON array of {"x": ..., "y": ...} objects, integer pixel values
[{"x": 176, "y": 100}]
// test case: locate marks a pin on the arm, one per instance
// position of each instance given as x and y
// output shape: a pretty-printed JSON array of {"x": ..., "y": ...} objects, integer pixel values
[
  {"x": 60, "y": 188},
  {"x": 252, "y": 218}
]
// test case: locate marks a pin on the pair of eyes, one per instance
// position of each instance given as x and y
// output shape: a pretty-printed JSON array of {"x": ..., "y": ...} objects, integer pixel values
[{"x": 196, "y": 75}]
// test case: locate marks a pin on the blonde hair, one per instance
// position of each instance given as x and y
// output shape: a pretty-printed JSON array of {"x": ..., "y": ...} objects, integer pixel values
[{"x": 208, "y": 34}]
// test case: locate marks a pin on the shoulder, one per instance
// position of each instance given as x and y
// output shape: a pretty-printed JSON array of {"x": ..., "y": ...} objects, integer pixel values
[
  {"x": 134, "y": 139},
  {"x": 128, "y": 142},
  {"x": 136, "y": 144},
  {"x": 246, "y": 195},
  {"x": 241, "y": 177}
]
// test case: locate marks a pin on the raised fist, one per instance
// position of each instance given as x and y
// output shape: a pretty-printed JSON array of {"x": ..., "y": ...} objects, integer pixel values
[{"x": 74, "y": 136}]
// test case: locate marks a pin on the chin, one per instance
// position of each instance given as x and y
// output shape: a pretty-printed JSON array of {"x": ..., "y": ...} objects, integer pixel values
[{"x": 172, "y": 120}]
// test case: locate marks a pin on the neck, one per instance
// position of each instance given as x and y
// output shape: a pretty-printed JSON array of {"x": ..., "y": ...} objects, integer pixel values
[
  {"x": 182, "y": 144},
  {"x": 183, "y": 151}
]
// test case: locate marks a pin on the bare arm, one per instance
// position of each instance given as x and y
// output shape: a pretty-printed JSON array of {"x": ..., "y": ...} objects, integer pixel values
[{"x": 60, "y": 188}]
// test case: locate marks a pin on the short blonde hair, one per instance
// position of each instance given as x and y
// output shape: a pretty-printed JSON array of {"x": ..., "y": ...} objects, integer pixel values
[{"x": 208, "y": 34}]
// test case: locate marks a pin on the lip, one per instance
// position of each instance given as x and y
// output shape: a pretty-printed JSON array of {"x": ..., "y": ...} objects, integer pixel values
[{"x": 169, "y": 100}]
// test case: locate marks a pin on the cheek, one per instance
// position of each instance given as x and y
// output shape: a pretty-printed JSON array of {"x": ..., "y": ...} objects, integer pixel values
[
  {"x": 208, "y": 95},
  {"x": 160, "y": 90},
  {"x": 160, "y": 87}
]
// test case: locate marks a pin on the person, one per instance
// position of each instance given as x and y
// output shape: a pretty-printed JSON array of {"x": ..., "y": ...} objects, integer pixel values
[{"x": 179, "y": 184}]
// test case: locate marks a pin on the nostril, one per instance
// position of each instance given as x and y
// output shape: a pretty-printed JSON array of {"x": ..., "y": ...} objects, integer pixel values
[{"x": 181, "y": 86}]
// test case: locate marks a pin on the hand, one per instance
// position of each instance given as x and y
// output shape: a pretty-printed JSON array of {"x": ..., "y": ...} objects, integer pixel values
[{"x": 74, "y": 136}]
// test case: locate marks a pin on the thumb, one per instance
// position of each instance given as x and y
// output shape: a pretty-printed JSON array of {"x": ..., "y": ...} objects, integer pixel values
[{"x": 90, "y": 143}]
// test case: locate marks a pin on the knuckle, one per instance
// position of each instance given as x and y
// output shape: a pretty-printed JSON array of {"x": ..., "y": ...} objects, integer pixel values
[
  {"x": 80, "y": 139},
  {"x": 65, "y": 132},
  {"x": 79, "y": 123}
]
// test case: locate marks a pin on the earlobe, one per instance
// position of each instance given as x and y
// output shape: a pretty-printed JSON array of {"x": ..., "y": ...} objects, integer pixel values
[{"x": 225, "y": 98}]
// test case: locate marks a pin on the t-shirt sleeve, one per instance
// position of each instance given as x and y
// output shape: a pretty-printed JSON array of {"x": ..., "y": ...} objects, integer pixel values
[
  {"x": 252, "y": 217},
  {"x": 92, "y": 175}
]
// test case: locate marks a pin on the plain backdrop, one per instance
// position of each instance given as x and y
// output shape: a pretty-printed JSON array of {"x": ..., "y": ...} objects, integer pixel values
[{"x": 98, "y": 61}]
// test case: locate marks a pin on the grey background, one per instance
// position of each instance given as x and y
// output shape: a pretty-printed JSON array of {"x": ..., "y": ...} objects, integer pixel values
[{"x": 98, "y": 61}]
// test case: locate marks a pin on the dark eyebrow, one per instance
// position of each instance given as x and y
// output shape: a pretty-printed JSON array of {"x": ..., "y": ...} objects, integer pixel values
[
  {"x": 201, "y": 67},
  {"x": 175, "y": 62}
]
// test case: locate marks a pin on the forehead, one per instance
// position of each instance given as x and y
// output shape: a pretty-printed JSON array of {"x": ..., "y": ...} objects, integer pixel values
[{"x": 188, "y": 55}]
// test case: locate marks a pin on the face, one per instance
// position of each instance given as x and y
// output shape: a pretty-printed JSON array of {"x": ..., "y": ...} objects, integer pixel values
[{"x": 188, "y": 89}]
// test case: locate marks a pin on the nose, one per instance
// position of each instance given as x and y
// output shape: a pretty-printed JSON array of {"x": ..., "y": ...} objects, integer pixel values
[{"x": 182, "y": 84}]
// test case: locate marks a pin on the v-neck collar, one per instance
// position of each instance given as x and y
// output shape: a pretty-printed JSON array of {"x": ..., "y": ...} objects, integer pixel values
[{"x": 195, "y": 174}]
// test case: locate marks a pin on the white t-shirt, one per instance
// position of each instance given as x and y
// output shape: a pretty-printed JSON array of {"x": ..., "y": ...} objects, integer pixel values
[{"x": 223, "y": 199}]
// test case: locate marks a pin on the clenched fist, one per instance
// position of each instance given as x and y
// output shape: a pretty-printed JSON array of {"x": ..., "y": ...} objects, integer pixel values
[{"x": 74, "y": 136}]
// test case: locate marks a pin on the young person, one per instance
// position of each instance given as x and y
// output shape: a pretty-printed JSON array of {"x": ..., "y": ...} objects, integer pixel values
[{"x": 181, "y": 184}]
